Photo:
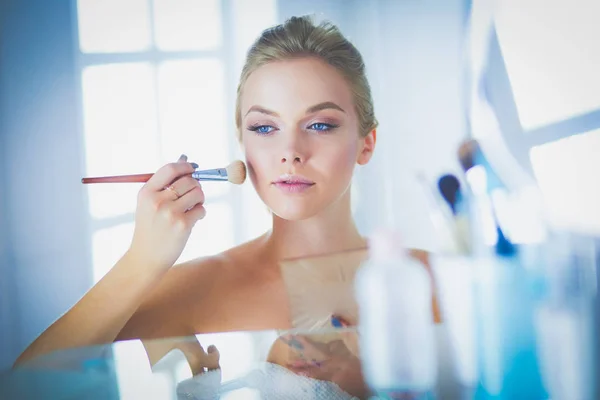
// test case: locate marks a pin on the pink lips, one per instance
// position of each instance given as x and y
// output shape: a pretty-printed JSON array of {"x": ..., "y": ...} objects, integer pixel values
[{"x": 293, "y": 183}]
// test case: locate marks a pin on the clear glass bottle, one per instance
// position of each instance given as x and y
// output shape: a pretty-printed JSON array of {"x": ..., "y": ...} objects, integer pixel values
[{"x": 396, "y": 324}]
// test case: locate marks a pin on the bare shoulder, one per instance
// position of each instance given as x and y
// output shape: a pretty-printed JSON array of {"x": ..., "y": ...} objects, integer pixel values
[
  {"x": 159, "y": 313},
  {"x": 165, "y": 311},
  {"x": 197, "y": 275}
]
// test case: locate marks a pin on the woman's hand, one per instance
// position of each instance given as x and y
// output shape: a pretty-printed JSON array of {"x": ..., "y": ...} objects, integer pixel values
[
  {"x": 168, "y": 206},
  {"x": 332, "y": 362},
  {"x": 335, "y": 361},
  {"x": 199, "y": 360}
]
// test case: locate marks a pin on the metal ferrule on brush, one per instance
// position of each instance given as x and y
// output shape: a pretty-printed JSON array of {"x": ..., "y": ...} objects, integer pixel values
[{"x": 218, "y": 174}]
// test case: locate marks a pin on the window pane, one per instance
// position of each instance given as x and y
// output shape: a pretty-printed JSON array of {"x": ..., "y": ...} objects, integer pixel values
[
  {"x": 552, "y": 56},
  {"x": 108, "y": 246},
  {"x": 134, "y": 377},
  {"x": 250, "y": 18},
  {"x": 192, "y": 114},
  {"x": 211, "y": 235},
  {"x": 120, "y": 132},
  {"x": 238, "y": 351},
  {"x": 256, "y": 217},
  {"x": 187, "y": 24},
  {"x": 112, "y": 26},
  {"x": 567, "y": 173}
]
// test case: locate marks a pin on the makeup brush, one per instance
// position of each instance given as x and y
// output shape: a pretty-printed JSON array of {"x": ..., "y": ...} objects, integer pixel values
[
  {"x": 442, "y": 219},
  {"x": 234, "y": 173},
  {"x": 449, "y": 187},
  {"x": 470, "y": 156}
]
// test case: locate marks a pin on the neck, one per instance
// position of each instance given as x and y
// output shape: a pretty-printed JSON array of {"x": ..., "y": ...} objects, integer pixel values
[{"x": 330, "y": 231}]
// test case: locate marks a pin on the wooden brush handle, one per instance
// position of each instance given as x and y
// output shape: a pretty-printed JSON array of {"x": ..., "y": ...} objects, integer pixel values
[{"x": 118, "y": 179}]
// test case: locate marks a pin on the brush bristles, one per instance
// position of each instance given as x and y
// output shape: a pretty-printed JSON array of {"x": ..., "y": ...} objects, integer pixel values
[
  {"x": 467, "y": 153},
  {"x": 236, "y": 172},
  {"x": 449, "y": 187}
]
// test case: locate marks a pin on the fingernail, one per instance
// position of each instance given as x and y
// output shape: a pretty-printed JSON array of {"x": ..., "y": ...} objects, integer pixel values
[
  {"x": 182, "y": 157},
  {"x": 336, "y": 322},
  {"x": 212, "y": 348},
  {"x": 194, "y": 165}
]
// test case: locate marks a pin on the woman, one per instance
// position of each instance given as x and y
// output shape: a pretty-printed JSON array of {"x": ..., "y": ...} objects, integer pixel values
[{"x": 305, "y": 119}]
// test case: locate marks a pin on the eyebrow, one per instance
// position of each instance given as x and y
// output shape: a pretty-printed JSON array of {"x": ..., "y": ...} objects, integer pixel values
[{"x": 327, "y": 105}]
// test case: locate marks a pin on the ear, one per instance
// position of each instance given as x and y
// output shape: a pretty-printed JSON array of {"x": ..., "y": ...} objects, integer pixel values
[{"x": 368, "y": 147}]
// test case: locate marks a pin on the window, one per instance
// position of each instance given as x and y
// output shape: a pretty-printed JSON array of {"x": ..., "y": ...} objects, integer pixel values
[
  {"x": 568, "y": 171},
  {"x": 129, "y": 24},
  {"x": 542, "y": 82},
  {"x": 158, "y": 79},
  {"x": 552, "y": 57},
  {"x": 187, "y": 25}
]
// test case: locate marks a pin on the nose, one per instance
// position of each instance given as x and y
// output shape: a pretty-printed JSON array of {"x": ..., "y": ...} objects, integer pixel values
[
  {"x": 295, "y": 149},
  {"x": 292, "y": 158}
]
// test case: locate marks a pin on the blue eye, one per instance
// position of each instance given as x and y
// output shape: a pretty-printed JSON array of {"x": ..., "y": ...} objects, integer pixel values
[
  {"x": 321, "y": 126},
  {"x": 262, "y": 129}
]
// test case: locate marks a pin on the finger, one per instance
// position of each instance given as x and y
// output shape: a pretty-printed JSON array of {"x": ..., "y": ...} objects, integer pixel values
[
  {"x": 212, "y": 358},
  {"x": 291, "y": 341},
  {"x": 349, "y": 337},
  {"x": 340, "y": 322},
  {"x": 195, "y": 354},
  {"x": 311, "y": 350},
  {"x": 195, "y": 214},
  {"x": 167, "y": 174},
  {"x": 180, "y": 187},
  {"x": 184, "y": 158},
  {"x": 311, "y": 371},
  {"x": 318, "y": 350},
  {"x": 189, "y": 200},
  {"x": 351, "y": 342}
]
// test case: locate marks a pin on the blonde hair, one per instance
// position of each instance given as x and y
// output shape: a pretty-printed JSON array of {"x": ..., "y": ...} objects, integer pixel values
[{"x": 300, "y": 37}]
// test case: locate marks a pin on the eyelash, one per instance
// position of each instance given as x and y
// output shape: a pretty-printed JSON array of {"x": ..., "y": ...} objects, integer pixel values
[
  {"x": 256, "y": 128},
  {"x": 327, "y": 128}
]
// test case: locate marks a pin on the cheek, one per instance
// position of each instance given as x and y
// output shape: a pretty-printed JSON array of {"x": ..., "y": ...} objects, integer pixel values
[
  {"x": 344, "y": 158},
  {"x": 338, "y": 165},
  {"x": 256, "y": 161}
]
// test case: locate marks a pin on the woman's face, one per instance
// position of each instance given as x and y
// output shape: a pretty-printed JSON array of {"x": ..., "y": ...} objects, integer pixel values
[{"x": 300, "y": 136}]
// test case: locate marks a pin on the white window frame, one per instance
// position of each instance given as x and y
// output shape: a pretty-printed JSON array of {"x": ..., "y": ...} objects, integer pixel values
[
  {"x": 500, "y": 97},
  {"x": 154, "y": 56}
]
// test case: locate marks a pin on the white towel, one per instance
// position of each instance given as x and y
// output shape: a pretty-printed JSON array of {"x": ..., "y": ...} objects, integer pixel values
[{"x": 272, "y": 381}]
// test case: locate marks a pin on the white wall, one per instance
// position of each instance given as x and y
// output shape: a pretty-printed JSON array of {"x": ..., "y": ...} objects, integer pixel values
[
  {"x": 412, "y": 50},
  {"x": 50, "y": 265},
  {"x": 419, "y": 103}
]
